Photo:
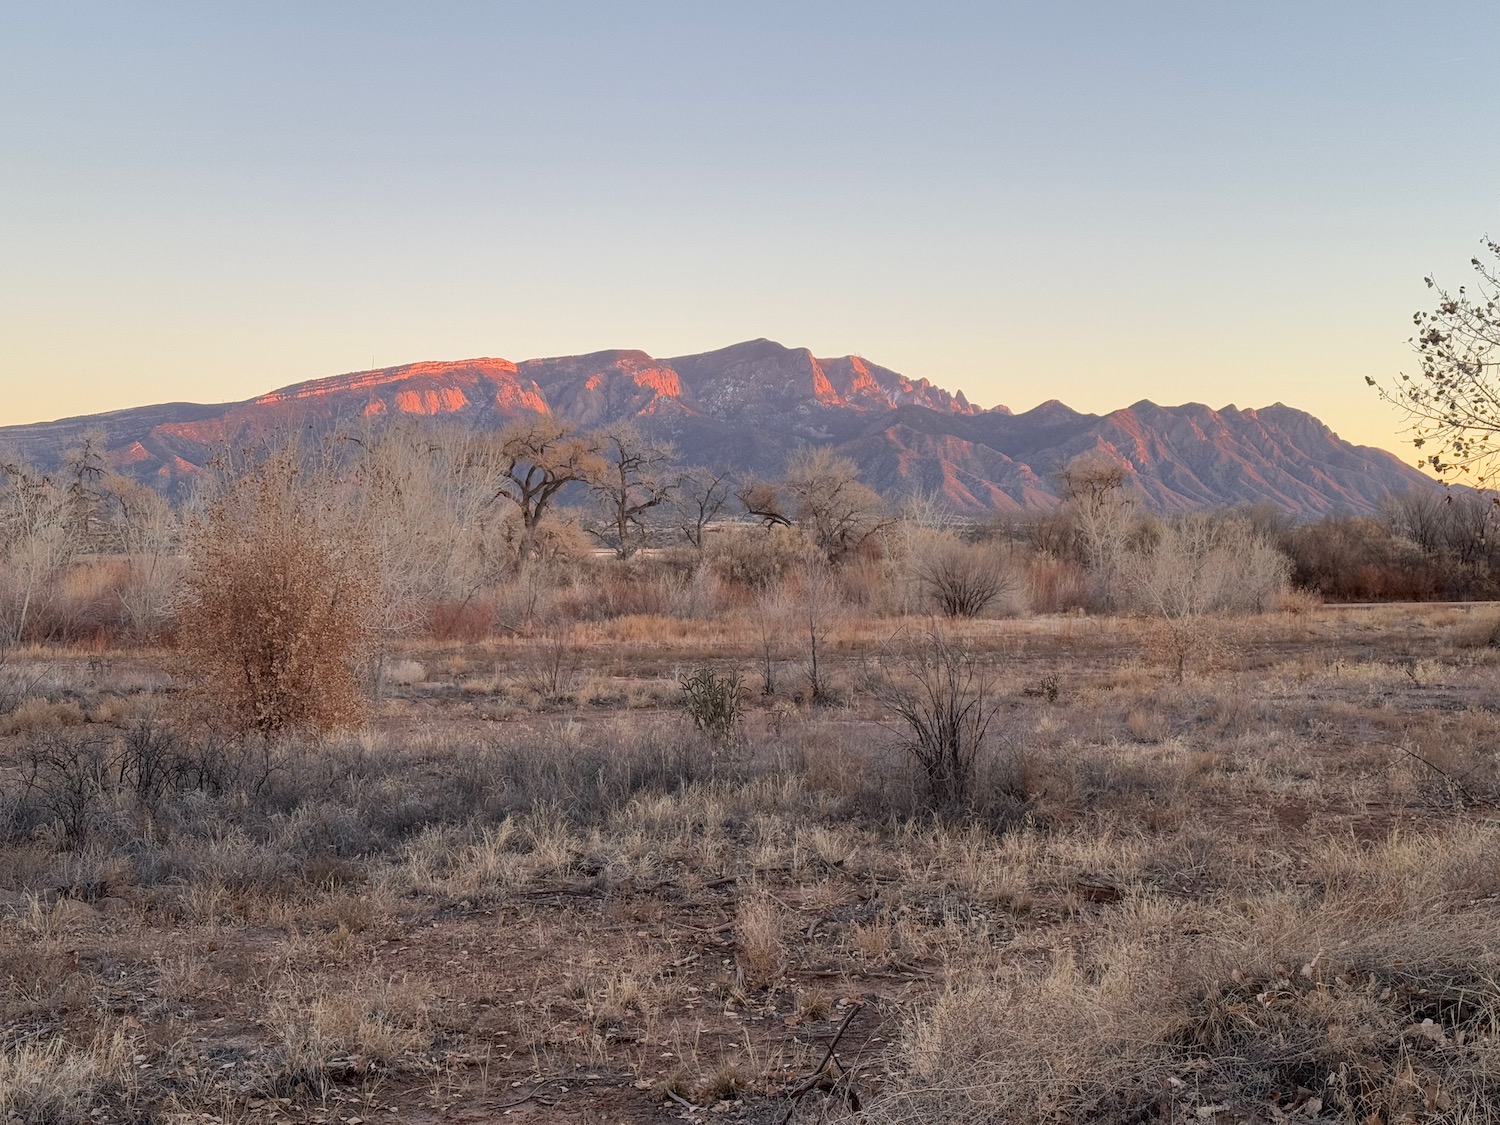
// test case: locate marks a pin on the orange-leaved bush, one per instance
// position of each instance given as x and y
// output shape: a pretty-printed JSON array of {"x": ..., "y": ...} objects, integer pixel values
[{"x": 279, "y": 604}]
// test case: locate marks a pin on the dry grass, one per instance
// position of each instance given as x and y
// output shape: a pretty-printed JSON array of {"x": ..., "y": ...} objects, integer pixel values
[
  {"x": 1252, "y": 889},
  {"x": 758, "y": 925},
  {"x": 49, "y": 1080},
  {"x": 34, "y": 715}
]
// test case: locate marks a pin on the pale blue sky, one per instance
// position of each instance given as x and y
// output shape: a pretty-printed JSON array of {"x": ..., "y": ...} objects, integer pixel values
[{"x": 1096, "y": 202}]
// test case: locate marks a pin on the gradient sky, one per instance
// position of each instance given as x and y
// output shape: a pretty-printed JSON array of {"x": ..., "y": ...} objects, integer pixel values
[{"x": 1097, "y": 202}]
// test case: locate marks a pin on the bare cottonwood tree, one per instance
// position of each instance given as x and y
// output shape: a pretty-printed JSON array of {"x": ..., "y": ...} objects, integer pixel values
[
  {"x": 37, "y": 543},
  {"x": 699, "y": 495},
  {"x": 823, "y": 495},
  {"x": 631, "y": 481},
  {"x": 1417, "y": 515},
  {"x": 829, "y": 500},
  {"x": 765, "y": 501},
  {"x": 536, "y": 458},
  {"x": 1102, "y": 510},
  {"x": 1470, "y": 528}
]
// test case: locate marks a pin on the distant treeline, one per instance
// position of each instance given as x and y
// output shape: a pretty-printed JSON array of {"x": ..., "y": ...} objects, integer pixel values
[{"x": 466, "y": 533}]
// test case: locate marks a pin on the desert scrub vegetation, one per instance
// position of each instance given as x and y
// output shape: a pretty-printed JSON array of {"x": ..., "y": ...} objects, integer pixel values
[
  {"x": 277, "y": 604},
  {"x": 1353, "y": 1002},
  {"x": 843, "y": 811},
  {"x": 1267, "y": 889},
  {"x": 713, "y": 703},
  {"x": 945, "y": 702}
]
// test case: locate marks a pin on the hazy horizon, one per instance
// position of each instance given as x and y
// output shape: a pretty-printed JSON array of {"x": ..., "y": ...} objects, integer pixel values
[{"x": 1090, "y": 202}]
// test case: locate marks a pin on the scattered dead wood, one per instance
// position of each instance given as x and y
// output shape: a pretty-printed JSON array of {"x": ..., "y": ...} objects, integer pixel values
[
  {"x": 1092, "y": 888},
  {"x": 817, "y": 1079}
]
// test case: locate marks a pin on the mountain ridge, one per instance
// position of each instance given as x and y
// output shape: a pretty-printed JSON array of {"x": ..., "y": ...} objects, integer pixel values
[{"x": 748, "y": 405}]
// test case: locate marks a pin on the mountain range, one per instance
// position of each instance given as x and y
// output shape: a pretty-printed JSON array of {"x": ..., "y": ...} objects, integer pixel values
[{"x": 746, "y": 407}]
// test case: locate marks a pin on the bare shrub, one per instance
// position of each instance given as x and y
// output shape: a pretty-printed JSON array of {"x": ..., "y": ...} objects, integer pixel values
[
  {"x": 38, "y": 541},
  {"x": 1203, "y": 564},
  {"x": 151, "y": 762},
  {"x": 757, "y": 557},
  {"x": 470, "y": 619},
  {"x": 822, "y": 608},
  {"x": 965, "y": 579},
  {"x": 68, "y": 778},
  {"x": 16, "y": 683},
  {"x": 773, "y": 614},
  {"x": 551, "y": 669},
  {"x": 146, "y": 531},
  {"x": 36, "y": 714},
  {"x": 592, "y": 780},
  {"x": 524, "y": 598},
  {"x": 1195, "y": 567},
  {"x": 1057, "y": 585},
  {"x": 1295, "y": 602},
  {"x": 405, "y": 673},
  {"x": 277, "y": 615},
  {"x": 1181, "y": 643},
  {"x": 624, "y": 590},
  {"x": 946, "y": 702},
  {"x": 924, "y": 526},
  {"x": 699, "y": 595}
]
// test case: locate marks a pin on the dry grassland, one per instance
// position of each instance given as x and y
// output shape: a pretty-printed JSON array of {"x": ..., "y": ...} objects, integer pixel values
[{"x": 529, "y": 890}]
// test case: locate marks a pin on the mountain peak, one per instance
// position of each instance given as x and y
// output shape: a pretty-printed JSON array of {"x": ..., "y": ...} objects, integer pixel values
[{"x": 749, "y": 405}]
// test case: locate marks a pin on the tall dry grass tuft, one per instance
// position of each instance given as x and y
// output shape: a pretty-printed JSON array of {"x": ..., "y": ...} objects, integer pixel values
[{"x": 759, "y": 923}]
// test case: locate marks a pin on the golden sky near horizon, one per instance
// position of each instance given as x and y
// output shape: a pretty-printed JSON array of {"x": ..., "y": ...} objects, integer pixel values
[{"x": 1099, "y": 203}]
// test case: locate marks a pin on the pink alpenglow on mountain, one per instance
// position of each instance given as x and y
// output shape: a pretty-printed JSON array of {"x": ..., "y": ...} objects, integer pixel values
[{"x": 748, "y": 406}]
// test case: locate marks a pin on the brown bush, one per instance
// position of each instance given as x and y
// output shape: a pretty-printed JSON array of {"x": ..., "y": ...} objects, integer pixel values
[
  {"x": 470, "y": 620},
  {"x": 1057, "y": 585},
  {"x": 964, "y": 579},
  {"x": 277, "y": 612},
  {"x": 946, "y": 702},
  {"x": 757, "y": 557}
]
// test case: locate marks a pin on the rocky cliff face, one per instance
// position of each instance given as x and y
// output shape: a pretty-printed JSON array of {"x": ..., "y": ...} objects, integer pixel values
[{"x": 747, "y": 406}]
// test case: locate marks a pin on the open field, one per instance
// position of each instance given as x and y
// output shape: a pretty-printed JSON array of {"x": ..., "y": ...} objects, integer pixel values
[{"x": 528, "y": 888}]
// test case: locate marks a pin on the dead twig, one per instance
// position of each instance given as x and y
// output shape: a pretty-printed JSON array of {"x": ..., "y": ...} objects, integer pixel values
[
  {"x": 683, "y": 1102},
  {"x": 811, "y": 1080},
  {"x": 1456, "y": 782},
  {"x": 535, "y": 1090}
]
